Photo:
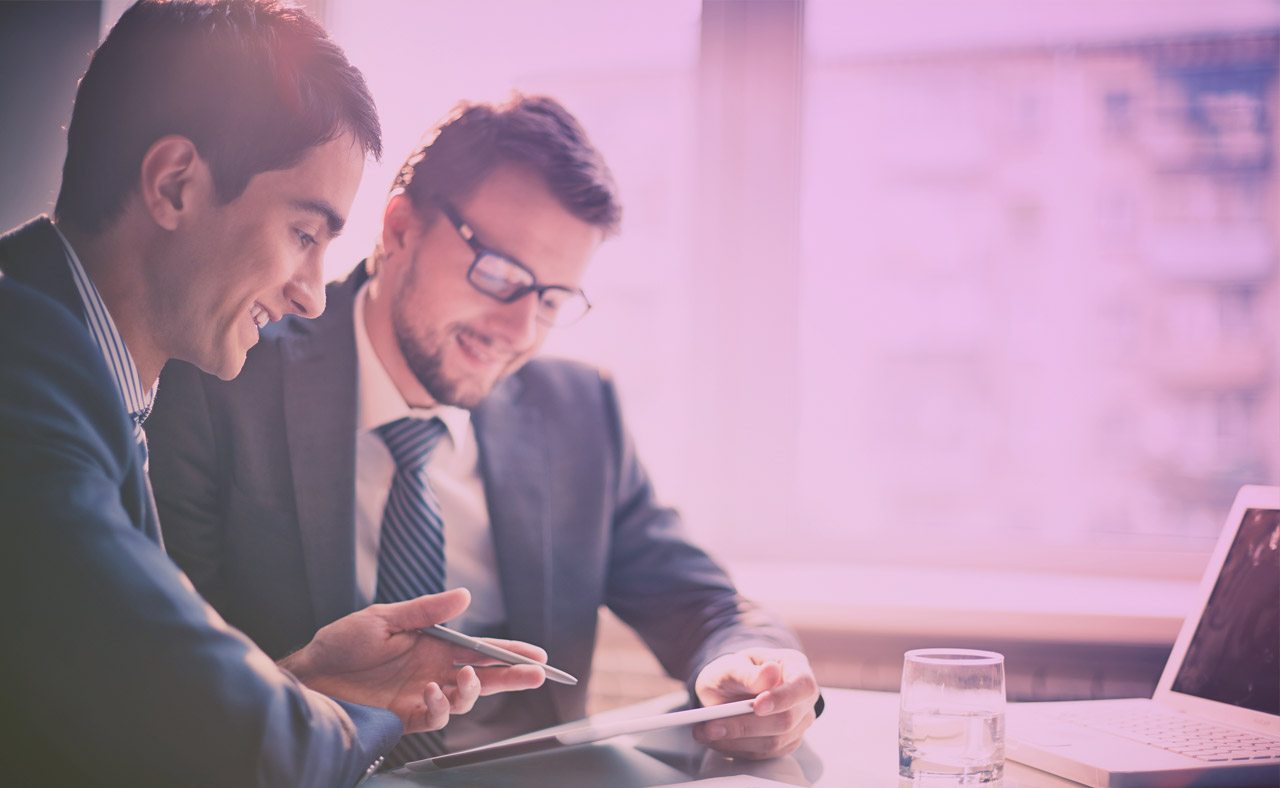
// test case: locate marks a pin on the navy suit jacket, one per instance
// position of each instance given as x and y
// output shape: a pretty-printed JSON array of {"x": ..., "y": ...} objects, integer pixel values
[
  {"x": 116, "y": 672},
  {"x": 255, "y": 480}
]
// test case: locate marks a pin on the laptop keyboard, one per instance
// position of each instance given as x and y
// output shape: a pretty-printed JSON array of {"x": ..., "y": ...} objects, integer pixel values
[{"x": 1178, "y": 733}]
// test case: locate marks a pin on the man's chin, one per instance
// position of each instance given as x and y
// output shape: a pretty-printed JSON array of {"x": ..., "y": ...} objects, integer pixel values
[
  {"x": 465, "y": 397},
  {"x": 227, "y": 371},
  {"x": 466, "y": 393},
  {"x": 224, "y": 366},
  {"x": 452, "y": 381}
]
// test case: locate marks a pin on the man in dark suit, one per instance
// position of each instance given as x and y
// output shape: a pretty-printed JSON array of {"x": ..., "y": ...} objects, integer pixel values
[
  {"x": 213, "y": 150},
  {"x": 280, "y": 487}
]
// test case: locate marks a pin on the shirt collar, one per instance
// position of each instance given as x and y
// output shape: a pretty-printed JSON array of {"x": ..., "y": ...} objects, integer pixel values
[
  {"x": 124, "y": 373},
  {"x": 379, "y": 401}
]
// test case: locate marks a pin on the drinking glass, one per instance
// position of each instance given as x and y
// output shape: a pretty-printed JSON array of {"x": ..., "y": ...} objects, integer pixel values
[{"x": 951, "y": 724}]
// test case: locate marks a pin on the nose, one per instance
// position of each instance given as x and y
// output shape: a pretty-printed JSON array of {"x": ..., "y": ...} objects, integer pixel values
[{"x": 304, "y": 293}]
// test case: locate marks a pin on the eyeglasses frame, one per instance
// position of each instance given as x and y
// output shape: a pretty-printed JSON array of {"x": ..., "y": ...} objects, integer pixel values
[{"x": 468, "y": 234}]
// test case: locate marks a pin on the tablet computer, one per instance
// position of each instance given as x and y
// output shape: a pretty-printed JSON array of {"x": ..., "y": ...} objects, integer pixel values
[{"x": 581, "y": 734}]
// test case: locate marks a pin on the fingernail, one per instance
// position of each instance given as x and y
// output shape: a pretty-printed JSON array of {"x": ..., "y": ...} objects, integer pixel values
[
  {"x": 715, "y": 731},
  {"x": 764, "y": 706}
]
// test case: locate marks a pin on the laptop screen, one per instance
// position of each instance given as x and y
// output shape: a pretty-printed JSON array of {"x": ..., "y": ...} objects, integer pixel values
[{"x": 1234, "y": 655}]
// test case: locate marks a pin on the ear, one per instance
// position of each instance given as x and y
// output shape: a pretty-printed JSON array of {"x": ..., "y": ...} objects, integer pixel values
[
  {"x": 171, "y": 177},
  {"x": 399, "y": 222}
]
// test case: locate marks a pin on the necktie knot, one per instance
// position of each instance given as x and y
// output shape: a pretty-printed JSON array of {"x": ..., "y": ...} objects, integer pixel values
[{"x": 411, "y": 440}]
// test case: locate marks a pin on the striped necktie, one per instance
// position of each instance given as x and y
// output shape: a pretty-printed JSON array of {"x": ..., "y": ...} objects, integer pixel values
[
  {"x": 140, "y": 436},
  {"x": 411, "y": 546}
]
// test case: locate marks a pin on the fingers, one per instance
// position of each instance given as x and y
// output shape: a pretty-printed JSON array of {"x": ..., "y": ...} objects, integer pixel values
[
  {"x": 440, "y": 703},
  {"x": 759, "y": 748},
  {"x": 436, "y": 714},
  {"x": 783, "y": 710},
  {"x": 797, "y": 691},
  {"x": 463, "y": 695},
  {"x": 737, "y": 676},
  {"x": 777, "y": 678},
  {"x": 426, "y": 611},
  {"x": 757, "y": 737},
  {"x": 749, "y": 725},
  {"x": 509, "y": 678},
  {"x": 765, "y": 677}
]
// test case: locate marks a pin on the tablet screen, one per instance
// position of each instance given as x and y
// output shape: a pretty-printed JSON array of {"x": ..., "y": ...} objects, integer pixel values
[{"x": 581, "y": 734}]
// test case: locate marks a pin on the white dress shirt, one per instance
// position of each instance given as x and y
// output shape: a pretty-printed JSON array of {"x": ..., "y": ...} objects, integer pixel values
[{"x": 454, "y": 474}]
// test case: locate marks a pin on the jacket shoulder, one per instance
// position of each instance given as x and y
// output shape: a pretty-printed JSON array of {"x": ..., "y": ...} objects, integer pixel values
[
  {"x": 557, "y": 388},
  {"x": 559, "y": 375},
  {"x": 56, "y": 389}
]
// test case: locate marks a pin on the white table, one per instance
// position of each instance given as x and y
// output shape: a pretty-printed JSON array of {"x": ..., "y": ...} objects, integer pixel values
[{"x": 854, "y": 743}]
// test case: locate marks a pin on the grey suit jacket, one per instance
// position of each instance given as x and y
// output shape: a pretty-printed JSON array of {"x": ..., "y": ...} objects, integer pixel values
[
  {"x": 115, "y": 671},
  {"x": 255, "y": 480}
]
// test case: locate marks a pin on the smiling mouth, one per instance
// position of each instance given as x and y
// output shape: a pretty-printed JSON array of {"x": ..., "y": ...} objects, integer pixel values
[
  {"x": 259, "y": 315},
  {"x": 480, "y": 349}
]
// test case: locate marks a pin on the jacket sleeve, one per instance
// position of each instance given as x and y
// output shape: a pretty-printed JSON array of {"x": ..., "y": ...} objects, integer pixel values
[
  {"x": 679, "y": 600},
  {"x": 116, "y": 671}
]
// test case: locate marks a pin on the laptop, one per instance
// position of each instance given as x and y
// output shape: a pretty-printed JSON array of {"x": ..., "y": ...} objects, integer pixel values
[{"x": 1215, "y": 717}]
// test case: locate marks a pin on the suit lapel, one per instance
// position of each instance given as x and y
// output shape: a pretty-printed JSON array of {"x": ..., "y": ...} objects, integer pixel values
[
  {"x": 34, "y": 255},
  {"x": 513, "y": 464},
  {"x": 319, "y": 379}
]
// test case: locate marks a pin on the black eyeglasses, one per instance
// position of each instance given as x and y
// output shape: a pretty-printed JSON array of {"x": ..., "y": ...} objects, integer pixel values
[{"x": 507, "y": 280}]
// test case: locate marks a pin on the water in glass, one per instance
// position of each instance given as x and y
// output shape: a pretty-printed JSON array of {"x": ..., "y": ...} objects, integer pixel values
[{"x": 951, "y": 728}]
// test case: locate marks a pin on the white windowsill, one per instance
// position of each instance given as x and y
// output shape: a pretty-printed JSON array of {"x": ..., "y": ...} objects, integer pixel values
[{"x": 1009, "y": 605}]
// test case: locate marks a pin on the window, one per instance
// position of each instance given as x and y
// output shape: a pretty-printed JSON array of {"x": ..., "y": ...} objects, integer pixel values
[
  {"x": 988, "y": 368},
  {"x": 965, "y": 292}
]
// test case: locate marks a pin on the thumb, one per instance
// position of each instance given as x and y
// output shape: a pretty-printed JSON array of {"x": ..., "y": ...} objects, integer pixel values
[{"x": 427, "y": 610}]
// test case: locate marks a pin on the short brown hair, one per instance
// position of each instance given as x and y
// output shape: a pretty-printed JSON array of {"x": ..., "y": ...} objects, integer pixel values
[
  {"x": 253, "y": 83},
  {"x": 533, "y": 131}
]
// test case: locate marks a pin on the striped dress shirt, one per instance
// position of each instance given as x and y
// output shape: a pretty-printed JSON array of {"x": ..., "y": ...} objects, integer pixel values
[{"x": 124, "y": 373}]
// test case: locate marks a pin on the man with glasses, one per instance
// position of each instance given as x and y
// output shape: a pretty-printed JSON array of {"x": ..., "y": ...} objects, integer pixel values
[{"x": 291, "y": 499}]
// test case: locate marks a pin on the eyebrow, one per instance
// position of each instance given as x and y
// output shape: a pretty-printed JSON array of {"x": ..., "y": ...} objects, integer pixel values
[
  {"x": 474, "y": 239},
  {"x": 324, "y": 210}
]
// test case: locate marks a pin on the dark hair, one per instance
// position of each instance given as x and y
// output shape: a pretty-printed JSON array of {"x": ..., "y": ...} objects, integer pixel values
[
  {"x": 533, "y": 131},
  {"x": 252, "y": 83}
]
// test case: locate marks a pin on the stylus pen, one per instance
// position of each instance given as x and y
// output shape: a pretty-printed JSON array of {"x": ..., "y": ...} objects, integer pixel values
[{"x": 501, "y": 654}]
